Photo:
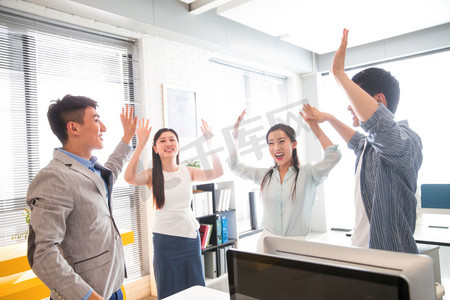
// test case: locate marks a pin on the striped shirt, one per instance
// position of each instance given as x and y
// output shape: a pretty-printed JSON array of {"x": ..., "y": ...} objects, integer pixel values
[{"x": 388, "y": 180}]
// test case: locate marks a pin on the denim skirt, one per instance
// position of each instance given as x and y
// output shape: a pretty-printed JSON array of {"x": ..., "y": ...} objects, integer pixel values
[{"x": 177, "y": 263}]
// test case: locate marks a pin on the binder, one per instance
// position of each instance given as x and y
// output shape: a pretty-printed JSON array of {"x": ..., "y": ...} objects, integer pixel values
[
  {"x": 224, "y": 230},
  {"x": 219, "y": 203},
  {"x": 253, "y": 216},
  {"x": 222, "y": 266},
  {"x": 203, "y": 262},
  {"x": 211, "y": 264},
  {"x": 218, "y": 195},
  {"x": 219, "y": 229},
  {"x": 227, "y": 200},
  {"x": 225, "y": 253}
]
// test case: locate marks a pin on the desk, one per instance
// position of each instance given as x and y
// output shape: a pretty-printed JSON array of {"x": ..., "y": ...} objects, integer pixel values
[
  {"x": 425, "y": 234},
  {"x": 433, "y": 227},
  {"x": 199, "y": 293},
  {"x": 339, "y": 238}
]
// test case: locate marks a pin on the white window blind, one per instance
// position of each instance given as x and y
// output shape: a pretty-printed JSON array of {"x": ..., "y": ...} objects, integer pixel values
[{"x": 40, "y": 61}]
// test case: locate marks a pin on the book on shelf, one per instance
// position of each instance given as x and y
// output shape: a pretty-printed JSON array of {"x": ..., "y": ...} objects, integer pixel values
[
  {"x": 202, "y": 203},
  {"x": 205, "y": 234},
  {"x": 208, "y": 239},
  {"x": 228, "y": 200},
  {"x": 224, "y": 199}
]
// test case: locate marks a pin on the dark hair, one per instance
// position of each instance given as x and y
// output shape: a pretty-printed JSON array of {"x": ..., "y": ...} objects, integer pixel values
[
  {"x": 295, "y": 162},
  {"x": 375, "y": 81},
  {"x": 157, "y": 172},
  {"x": 69, "y": 109}
]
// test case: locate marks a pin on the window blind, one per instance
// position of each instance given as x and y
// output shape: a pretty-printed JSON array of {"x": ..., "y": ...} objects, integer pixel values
[
  {"x": 260, "y": 92},
  {"x": 40, "y": 61}
]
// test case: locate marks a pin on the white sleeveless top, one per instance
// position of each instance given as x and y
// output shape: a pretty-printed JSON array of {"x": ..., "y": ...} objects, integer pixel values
[{"x": 176, "y": 217}]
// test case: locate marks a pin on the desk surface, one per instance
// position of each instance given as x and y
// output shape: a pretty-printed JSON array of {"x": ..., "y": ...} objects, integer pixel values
[
  {"x": 199, "y": 293},
  {"x": 424, "y": 234},
  {"x": 433, "y": 228},
  {"x": 432, "y": 234}
]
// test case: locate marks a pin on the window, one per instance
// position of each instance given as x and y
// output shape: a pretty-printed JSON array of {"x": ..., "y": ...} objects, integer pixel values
[
  {"x": 235, "y": 88},
  {"x": 40, "y": 62},
  {"x": 423, "y": 102}
]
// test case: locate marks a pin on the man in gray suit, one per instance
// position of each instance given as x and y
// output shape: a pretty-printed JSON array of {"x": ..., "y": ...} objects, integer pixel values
[{"x": 74, "y": 245}]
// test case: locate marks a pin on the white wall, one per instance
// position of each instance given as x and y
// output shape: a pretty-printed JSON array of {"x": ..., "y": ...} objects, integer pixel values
[
  {"x": 421, "y": 41},
  {"x": 171, "y": 19}
]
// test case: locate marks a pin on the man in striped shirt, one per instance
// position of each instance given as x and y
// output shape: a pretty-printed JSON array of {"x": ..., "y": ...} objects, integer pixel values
[{"x": 388, "y": 158}]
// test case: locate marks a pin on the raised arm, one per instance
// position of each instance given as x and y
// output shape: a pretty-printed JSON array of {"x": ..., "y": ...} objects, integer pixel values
[
  {"x": 122, "y": 152},
  {"x": 344, "y": 131},
  {"x": 233, "y": 151},
  {"x": 128, "y": 123},
  {"x": 217, "y": 170},
  {"x": 132, "y": 176},
  {"x": 308, "y": 116},
  {"x": 361, "y": 102}
]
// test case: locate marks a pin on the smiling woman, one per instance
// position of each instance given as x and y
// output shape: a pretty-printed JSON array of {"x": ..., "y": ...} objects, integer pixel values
[
  {"x": 288, "y": 188},
  {"x": 175, "y": 226}
]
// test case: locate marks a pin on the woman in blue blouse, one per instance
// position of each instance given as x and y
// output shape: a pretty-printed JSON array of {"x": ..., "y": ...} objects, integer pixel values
[{"x": 288, "y": 188}]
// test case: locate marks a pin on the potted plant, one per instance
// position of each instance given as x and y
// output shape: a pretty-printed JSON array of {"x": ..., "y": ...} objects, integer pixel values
[{"x": 23, "y": 235}]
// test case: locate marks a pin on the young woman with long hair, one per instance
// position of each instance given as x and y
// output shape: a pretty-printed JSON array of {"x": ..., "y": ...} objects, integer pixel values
[
  {"x": 176, "y": 241},
  {"x": 288, "y": 189}
]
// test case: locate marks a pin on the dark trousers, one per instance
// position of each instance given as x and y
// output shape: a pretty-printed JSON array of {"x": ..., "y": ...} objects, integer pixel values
[{"x": 116, "y": 296}]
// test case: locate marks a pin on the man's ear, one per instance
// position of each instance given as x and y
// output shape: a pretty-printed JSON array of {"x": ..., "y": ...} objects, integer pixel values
[
  {"x": 72, "y": 128},
  {"x": 381, "y": 98}
]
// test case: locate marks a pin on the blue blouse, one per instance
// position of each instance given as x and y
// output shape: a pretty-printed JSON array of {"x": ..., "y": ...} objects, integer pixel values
[{"x": 284, "y": 215}]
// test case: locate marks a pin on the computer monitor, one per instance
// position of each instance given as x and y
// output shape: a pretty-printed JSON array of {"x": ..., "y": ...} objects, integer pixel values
[{"x": 293, "y": 269}]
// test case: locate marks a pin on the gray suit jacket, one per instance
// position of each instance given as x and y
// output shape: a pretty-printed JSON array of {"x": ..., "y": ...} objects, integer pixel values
[{"x": 74, "y": 244}]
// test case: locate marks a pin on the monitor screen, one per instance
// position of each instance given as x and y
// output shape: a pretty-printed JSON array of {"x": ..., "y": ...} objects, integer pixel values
[{"x": 263, "y": 276}]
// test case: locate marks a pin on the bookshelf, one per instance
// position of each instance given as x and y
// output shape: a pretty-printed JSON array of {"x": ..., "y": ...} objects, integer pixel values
[{"x": 217, "y": 203}]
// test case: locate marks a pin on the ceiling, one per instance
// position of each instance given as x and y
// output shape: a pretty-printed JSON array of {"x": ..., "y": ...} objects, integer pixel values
[{"x": 317, "y": 25}]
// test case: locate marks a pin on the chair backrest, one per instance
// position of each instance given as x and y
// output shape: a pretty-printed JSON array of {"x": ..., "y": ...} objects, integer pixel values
[{"x": 435, "y": 196}]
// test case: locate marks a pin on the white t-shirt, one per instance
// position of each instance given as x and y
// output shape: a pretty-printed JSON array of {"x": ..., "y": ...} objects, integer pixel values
[
  {"x": 360, "y": 236},
  {"x": 176, "y": 217}
]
